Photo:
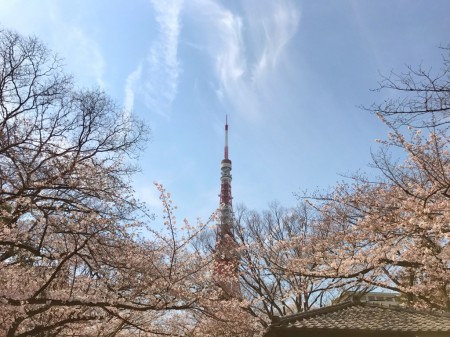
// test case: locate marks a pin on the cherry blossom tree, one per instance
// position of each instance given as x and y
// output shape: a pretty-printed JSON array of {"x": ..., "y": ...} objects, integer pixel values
[
  {"x": 393, "y": 231},
  {"x": 268, "y": 288},
  {"x": 76, "y": 257},
  {"x": 419, "y": 97}
]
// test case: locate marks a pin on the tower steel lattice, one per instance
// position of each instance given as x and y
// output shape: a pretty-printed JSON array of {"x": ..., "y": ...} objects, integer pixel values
[{"x": 227, "y": 258}]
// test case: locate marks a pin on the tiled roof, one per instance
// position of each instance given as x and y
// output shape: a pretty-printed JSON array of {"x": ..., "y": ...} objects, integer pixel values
[{"x": 368, "y": 317}]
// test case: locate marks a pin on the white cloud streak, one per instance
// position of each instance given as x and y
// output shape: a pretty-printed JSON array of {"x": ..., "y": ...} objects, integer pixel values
[
  {"x": 247, "y": 49},
  {"x": 155, "y": 78},
  {"x": 130, "y": 87},
  {"x": 81, "y": 52},
  {"x": 279, "y": 24},
  {"x": 161, "y": 66},
  {"x": 86, "y": 58}
]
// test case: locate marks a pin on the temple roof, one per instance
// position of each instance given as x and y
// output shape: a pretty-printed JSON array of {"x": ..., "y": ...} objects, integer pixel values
[{"x": 362, "y": 319}]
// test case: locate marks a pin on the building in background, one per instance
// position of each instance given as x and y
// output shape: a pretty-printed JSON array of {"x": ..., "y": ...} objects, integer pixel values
[{"x": 379, "y": 297}]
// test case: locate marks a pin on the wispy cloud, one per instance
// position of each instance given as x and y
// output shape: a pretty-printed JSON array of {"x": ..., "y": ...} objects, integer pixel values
[
  {"x": 161, "y": 67},
  {"x": 155, "y": 78},
  {"x": 87, "y": 58},
  {"x": 130, "y": 88},
  {"x": 279, "y": 23},
  {"x": 247, "y": 48},
  {"x": 66, "y": 36}
]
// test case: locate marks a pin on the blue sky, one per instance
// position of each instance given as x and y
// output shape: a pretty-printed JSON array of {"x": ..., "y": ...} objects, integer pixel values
[{"x": 289, "y": 74}]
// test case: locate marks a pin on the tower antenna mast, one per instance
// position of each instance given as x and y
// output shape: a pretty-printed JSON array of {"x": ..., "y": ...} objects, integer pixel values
[{"x": 226, "y": 137}]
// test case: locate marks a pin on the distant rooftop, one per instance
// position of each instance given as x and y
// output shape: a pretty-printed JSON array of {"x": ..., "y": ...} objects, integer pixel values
[{"x": 384, "y": 298}]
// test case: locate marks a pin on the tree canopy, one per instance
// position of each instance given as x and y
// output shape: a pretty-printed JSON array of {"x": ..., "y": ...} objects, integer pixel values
[
  {"x": 72, "y": 259},
  {"x": 393, "y": 232}
]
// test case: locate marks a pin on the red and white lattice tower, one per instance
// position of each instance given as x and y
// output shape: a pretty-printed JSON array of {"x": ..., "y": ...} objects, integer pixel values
[{"x": 227, "y": 258}]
